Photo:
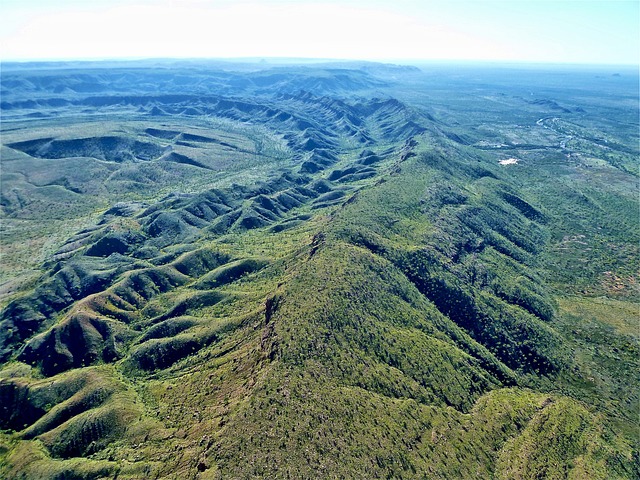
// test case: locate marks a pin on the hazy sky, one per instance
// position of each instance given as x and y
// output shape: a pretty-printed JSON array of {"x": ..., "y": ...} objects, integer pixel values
[{"x": 575, "y": 31}]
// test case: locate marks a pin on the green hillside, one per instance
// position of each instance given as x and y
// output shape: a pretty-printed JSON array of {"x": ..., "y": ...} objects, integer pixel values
[{"x": 327, "y": 271}]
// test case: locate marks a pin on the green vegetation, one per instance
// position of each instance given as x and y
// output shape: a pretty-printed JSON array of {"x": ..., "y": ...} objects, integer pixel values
[{"x": 280, "y": 274}]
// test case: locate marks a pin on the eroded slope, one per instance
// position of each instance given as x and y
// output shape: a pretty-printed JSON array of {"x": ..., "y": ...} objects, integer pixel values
[{"x": 367, "y": 296}]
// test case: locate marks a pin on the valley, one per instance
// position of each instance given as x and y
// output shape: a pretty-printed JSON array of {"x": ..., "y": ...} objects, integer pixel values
[{"x": 331, "y": 270}]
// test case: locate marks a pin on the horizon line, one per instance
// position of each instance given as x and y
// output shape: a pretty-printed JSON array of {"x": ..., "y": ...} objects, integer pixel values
[{"x": 261, "y": 59}]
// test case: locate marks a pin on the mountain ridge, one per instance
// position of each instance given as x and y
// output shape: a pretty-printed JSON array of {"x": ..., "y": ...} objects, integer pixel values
[{"x": 350, "y": 285}]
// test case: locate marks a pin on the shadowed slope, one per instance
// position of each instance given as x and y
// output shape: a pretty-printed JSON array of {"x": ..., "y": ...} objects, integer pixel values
[{"x": 307, "y": 283}]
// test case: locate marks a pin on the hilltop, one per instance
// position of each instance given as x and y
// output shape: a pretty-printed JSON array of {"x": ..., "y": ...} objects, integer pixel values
[{"x": 317, "y": 271}]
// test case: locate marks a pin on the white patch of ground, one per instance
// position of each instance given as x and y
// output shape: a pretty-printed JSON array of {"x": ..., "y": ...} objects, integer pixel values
[{"x": 509, "y": 161}]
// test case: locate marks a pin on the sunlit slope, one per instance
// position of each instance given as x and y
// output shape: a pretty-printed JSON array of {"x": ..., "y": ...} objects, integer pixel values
[
  {"x": 368, "y": 369},
  {"x": 371, "y": 350},
  {"x": 337, "y": 286}
]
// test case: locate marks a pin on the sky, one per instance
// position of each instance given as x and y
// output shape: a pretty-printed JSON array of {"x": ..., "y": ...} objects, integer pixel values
[{"x": 538, "y": 31}]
